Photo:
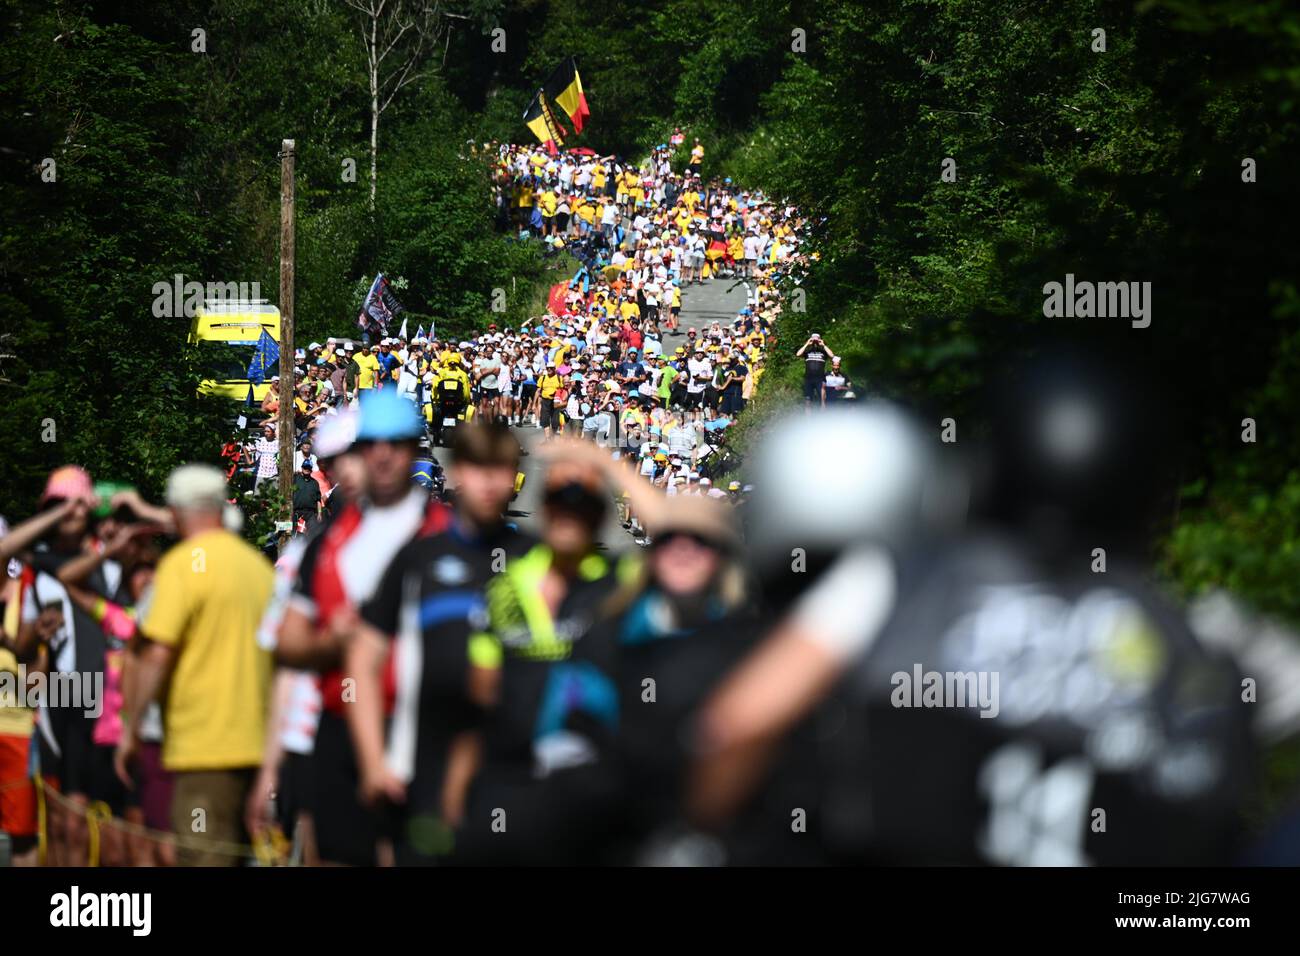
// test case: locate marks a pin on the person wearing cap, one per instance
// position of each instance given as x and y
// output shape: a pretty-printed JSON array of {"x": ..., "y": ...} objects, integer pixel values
[
  {"x": 336, "y": 372},
  {"x": 549, "y": 384},
  {"x": 632, "y": 423},
  {"x": 684, "y": 438},
  {"x": 339, "y": 570},
  {"x": 699, "y": 372},
  {"x": 665, "y": 378},
  {"x": 682, "y": 622},
  {"x": 388, "y": 362},
  {"x": 271, "y": 400},
  {"x": 72, "y": 639},
  {"x": 267, "y": 451},
  {"x": 680, "y": 617},
  {"x": 200, "y": 644},
  {"x": 306, "y": 496},
  {"x": 835, "y": 385},
  {"x": 455, "y": 371},
  {"x": 487, "y": 371},
  {"x": 815, "y": 355},
  {"x": 630, "y": 368},
  {"x": 440, "y": 578}
]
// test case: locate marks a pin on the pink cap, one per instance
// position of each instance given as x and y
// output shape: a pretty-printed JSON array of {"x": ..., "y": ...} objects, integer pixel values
[{"x": 68, "y": 482}]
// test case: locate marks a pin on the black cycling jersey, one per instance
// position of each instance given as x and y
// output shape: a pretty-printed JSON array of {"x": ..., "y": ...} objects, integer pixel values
[
  {"x": 1015, "y": 713},
  {"x": 426, "y": 601},
  {"x": 814, "y": 361}
]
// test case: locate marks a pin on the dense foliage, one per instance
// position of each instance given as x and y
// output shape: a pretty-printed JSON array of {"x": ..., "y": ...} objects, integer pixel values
[{"x": 1122, "y": 164}]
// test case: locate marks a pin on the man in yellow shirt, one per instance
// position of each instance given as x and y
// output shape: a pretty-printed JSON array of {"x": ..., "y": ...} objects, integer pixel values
[
  {"x": 548, "y": 203},
  {"x": 200, "y": 626},
  {"x": 369, "y": 366},
  {"x": 548, "y": 384}
]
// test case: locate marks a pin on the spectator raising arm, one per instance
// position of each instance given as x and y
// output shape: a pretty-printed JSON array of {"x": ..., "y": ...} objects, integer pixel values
[{"x": 22, "y": 537}]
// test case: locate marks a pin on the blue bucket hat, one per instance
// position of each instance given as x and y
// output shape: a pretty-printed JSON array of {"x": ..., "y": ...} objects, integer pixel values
[{"x": 386, "y": 416}]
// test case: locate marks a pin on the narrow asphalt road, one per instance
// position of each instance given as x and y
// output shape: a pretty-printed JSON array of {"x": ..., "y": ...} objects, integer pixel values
[{"x": 717, "y": 300}]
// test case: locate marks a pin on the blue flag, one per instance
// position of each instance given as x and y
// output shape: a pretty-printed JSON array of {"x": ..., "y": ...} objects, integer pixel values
[
  {"x": 419, "y": 333},
  {"x": 266, "y": 359},
  {"x": 249, "y": 401}
]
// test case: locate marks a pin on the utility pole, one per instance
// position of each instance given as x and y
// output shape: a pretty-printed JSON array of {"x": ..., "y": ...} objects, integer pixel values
[{"x": 285, "y": 429}]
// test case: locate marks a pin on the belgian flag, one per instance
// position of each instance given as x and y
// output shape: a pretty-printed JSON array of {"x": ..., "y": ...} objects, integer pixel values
[
  {"x": 540, "y": 118},
  {"x": 564, "y": 89}
]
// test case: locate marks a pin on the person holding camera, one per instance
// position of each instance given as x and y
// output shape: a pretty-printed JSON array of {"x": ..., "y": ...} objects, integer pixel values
[{"x": 815, "y": 354}]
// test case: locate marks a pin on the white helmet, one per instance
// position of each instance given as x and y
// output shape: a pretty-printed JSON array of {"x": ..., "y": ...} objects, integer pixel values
[
  {"x": 336, "y": 433},
  {"x": 840, "y": 476}
]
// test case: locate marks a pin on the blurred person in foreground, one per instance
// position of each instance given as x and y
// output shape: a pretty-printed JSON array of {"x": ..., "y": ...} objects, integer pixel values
[
  {"x": 18, "y": 807},
  {"x": 1000, "y": 666},
  {"x": 72, "y": 643},
  {"x": 283, "y": 792},
  {"x": 200, "y": 655},
  {"x": 543, "y": 793},
  {"x": 131, "y": 546},
  {"x": 672, "y": 630},
  {"x": 416, "y": 765},
  {"x": 339, "y": 570}
]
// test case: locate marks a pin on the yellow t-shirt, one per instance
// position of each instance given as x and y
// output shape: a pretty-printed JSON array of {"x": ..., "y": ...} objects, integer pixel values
[
  {"x": 586, "y": 211},
  {"x": 630, "y": 309},
  {"x": 209, "y": 595},
  {"x": 15, "y": 721},
  {"x": 548, "y": 385},
  {"x": 598, "y": 176},
  {"x": 547, "y": 202},
  {"x": 369, "y": 365},
  {"x": 525, "y": 197}
]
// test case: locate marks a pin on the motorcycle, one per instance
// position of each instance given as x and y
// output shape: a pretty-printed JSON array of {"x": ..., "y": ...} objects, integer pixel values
[{"x": 448, "y": 411}]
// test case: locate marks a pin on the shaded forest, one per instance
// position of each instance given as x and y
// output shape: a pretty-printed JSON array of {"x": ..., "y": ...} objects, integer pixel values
[{"x": 1124, "y": 161}]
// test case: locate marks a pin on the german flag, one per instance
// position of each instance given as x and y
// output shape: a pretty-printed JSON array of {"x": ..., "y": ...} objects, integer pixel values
[
  {"x": 540, "y": 118},
  {"x": 564, "y": 89}
]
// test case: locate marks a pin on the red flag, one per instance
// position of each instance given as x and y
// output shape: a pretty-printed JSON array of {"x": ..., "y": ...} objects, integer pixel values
[{"x": 555, "y": 301}]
